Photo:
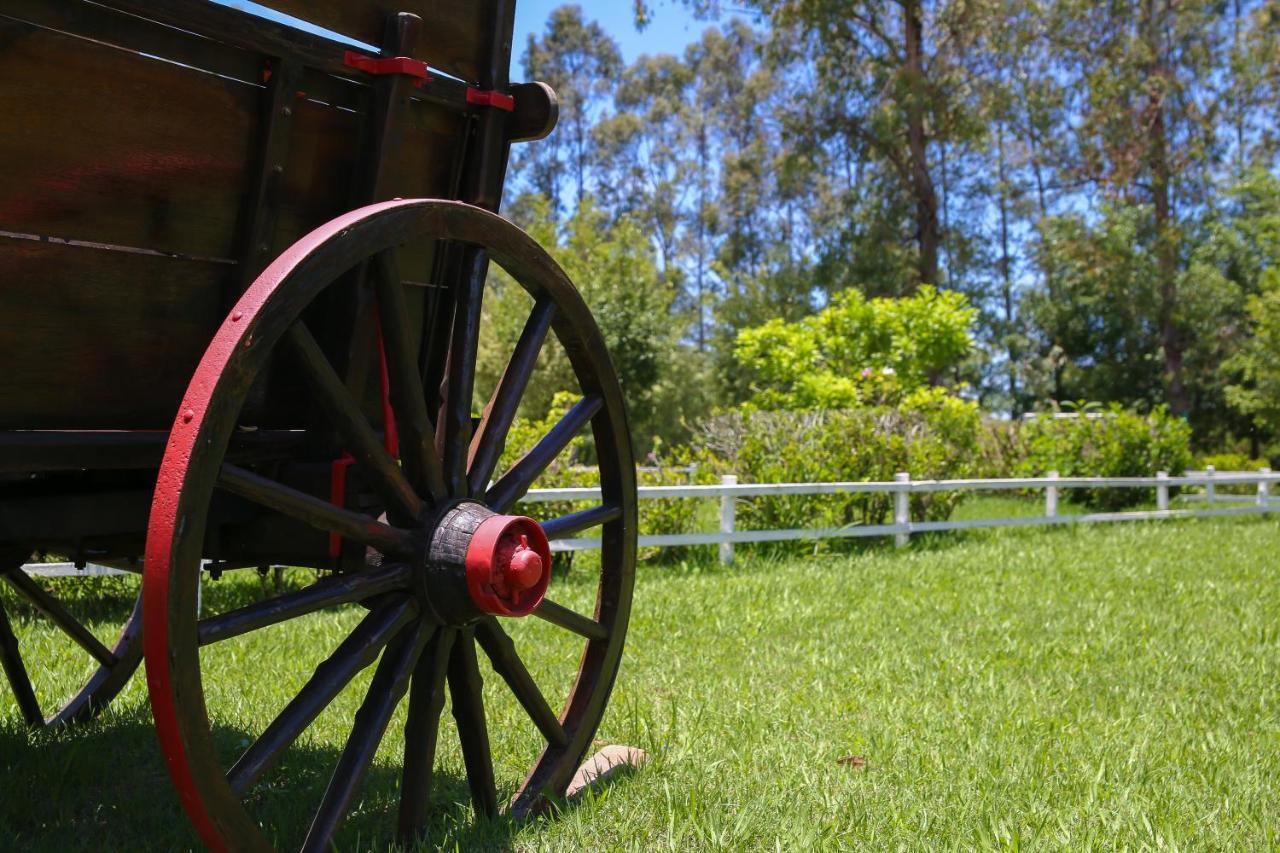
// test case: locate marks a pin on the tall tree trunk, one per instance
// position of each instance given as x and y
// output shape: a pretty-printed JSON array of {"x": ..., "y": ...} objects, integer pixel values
[
  {"x": 1237, "y": 97},
  {"x": 928, "y": 231},
  {"x": 580, "y": 157},
  {"x": 1162, "y": 202},
  {"x": 703, "y": 166},
  {"x": 955, "y": 274},
  {"x": 1006, "y": 274},
  {"x": 1050, "y": 282}
]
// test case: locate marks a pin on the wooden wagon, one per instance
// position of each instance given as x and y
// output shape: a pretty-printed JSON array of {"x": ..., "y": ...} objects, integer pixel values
[{"x": 242, "y": 267}]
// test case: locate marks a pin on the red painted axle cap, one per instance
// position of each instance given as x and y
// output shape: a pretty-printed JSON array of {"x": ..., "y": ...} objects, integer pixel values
[{"x": 508, "y": 565}]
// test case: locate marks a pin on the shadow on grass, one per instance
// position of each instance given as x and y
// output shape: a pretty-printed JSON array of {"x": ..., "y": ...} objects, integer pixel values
[
  {"x": 98, "y": 786},
  {"x": 104, "y": 786}
]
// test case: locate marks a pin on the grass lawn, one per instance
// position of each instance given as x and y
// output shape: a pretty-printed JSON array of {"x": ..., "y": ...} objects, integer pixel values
[{"x": 1110, "y": 686}]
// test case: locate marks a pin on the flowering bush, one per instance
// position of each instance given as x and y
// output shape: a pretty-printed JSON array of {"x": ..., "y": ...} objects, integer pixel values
[{"x": 857, "y": 351}]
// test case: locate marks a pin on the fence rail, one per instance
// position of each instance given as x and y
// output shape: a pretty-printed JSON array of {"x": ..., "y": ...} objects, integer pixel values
[{"x": 902, "y": 487}]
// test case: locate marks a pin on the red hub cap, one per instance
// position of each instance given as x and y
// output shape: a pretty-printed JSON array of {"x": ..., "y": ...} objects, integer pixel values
[{"x": 508, "y": 565}]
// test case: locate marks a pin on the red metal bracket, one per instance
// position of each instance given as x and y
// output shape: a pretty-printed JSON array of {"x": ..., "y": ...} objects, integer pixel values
[
  {"x": 405, "y": 65},
  {"x": 497, "y": 100}
]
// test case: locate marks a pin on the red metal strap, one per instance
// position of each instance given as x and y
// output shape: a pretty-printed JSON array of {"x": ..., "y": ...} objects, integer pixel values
[
  {"x": 338, "y": 496},
  {"x": 391, "y": 436},
  {"x": 405, "y": 65},
  {"x": 497, "y": 100}
]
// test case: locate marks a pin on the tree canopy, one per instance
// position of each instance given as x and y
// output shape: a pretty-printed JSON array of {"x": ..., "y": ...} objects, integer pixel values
[{"x": 1098, "y": 182}]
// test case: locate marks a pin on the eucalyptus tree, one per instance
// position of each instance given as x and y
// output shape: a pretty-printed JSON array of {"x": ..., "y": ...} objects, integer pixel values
[
  {"x": 582, "y": 63},
  {"x": 643, "y": 153},
  {"x": 894, "y": 85}
]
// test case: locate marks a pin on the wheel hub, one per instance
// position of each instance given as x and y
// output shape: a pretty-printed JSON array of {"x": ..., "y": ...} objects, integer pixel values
[{"x": 480, "y": 562}]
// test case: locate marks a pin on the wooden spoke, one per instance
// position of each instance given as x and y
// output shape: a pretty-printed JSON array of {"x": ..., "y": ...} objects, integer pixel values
[
  {"x": 315, "y": 512},
  {"x": 16, "y": 672},
  {"x": 517, "y": 481},
  {"x": 355, "y": 653},
  {"x": 439, "y": 322},
  {"x": 421, "y": 733},
  {"x": 502, "y": 653},
  {"x": 468, "y": 711},
  {"x": 453, "y": 431},
  {"x": 331, "y": 591},
  {"x": 385, "y": 692},
  {"x": 495, "y": 423},
  {"x": 575, "y": 522},
  {"x": 357, "y": 436},
  {"x": 413, "y": 424},
  {"x": 571, "y": 621},
  {"x": 52, "y": 608}
]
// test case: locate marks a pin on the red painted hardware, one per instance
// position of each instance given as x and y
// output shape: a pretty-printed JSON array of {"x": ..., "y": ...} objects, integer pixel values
[
  {"x": 391, "y": 437},
  {"x": 391, "y": 440},
  {"x": 338, "y": 495},
  {"x": 405, "y": 65},
  {"x": 508, "y": 565},
  {"x": 497, "y": 100}
]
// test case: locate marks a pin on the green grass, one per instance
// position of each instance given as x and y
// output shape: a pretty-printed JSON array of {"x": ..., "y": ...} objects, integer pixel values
[{"x": 1113, "y": 686}]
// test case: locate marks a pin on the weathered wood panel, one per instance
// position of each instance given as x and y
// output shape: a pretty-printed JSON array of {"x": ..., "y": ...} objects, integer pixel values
[
  {"x": 100, "y": 339},
  {"x": 457, "y": 34},
  {"x": 323, "y": 172},
  {"x": 106, "y": 145}
]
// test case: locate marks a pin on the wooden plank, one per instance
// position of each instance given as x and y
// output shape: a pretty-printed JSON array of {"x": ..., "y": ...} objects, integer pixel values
[
  {"x": 457, "y": 34},
  {"x": 319, "y": 170},
  {"x": 110, "y": 146},
  {"x": 98, "y": 339}
]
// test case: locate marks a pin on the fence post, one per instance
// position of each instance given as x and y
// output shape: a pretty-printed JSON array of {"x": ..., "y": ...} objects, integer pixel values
[
  {"x": 902, "y": 508},
  {"x": 1264, "y": 489},
  {"x": 1162, "y": 491},
  {"x": 728, "y": 514},
  {"x": 1210, "y": 491},
  {"x": 1051, "y": 497}
]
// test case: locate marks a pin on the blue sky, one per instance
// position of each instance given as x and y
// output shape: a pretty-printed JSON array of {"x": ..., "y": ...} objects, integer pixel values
[{"x": 672, "y": 28}]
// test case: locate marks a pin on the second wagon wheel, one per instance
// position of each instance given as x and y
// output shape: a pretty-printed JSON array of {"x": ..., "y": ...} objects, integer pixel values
[
  {"x": 450, "y": 572},
  {"x": 73, "y": 649}
]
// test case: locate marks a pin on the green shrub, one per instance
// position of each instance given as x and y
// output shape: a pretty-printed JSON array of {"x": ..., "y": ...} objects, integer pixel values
[
  {"x": 856, "y": 351},
  {"x": 1232, "y": 462},
  {"x": 931, "y": 435},
  {"x": 1106, "y": 442},
  {"x": 670, "y": 516}
]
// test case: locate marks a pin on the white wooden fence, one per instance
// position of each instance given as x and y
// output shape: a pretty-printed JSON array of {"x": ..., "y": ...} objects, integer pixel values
[{"x": 902, "y": 487}]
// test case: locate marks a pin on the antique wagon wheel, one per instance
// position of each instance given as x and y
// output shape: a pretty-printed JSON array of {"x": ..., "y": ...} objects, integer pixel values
[
  {"x": 114, "y": 666},
  {"x": 451, "y": 569}
]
